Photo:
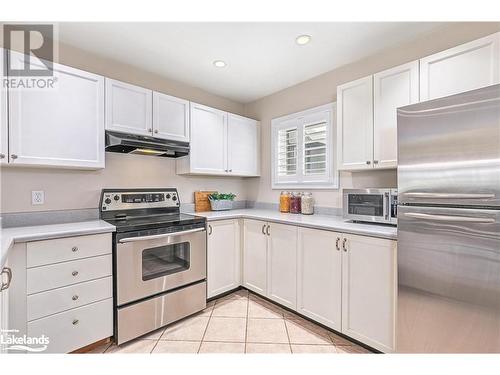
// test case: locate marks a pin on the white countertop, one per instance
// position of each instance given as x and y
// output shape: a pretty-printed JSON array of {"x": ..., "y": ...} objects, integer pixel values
[
  {"x": 9, "y": 236},
  {"x": 328, "y": 222}
]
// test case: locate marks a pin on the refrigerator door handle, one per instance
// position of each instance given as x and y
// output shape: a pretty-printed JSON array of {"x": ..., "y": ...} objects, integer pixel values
[
  {"x": 456, "y": 219},
  {"x": 449, "y": 195}
]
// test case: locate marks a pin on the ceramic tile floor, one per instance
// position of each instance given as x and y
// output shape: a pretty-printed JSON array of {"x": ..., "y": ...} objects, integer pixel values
[{"x": 239, "y": 323}]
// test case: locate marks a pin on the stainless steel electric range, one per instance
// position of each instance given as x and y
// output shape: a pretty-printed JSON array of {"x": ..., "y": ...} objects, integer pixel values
[{"x": 159, "y": 259}]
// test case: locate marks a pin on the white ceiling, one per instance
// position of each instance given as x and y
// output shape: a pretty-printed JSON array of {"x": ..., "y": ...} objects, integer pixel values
[{"x": 261, "y": 58}]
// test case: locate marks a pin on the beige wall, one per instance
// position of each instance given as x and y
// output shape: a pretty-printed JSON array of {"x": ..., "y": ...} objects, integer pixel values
[
  {"x": 322, "y": 89},
  {"x": 72, "y": 189},
  {"x": 65, "y": 189}
]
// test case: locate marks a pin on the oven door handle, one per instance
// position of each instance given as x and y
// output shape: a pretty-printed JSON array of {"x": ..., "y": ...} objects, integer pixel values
[{"x": 156, "y": 236}]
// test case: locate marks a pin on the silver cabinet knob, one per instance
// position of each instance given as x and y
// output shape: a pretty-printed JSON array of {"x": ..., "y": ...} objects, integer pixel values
[
  {"x": 74, "y": 249},
  {"x": 263, "y": 229},
  {"x": 2, "y": 156},
  {"x": 230, "y": 170},
  {"x": 156, "y": 131},
  {"x": 74, "y": 298},
  {"x": 337, "y": 243},
  {"x": 209, "y": 229},
  {"x": 150, "y": 130},
  {"x": 368, "y": 162},
  {"x": 75, "y": 322},
  {"x": 375, "y": 162},
  {"x": 74, "y": 273},
  {"x": 13, "y": 156}
]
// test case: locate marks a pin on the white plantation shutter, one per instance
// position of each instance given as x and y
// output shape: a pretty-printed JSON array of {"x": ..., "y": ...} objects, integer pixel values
[
  {"x": 315, "y": 149},
  {"x": 287, "y": 152},
  {"x": 302, "y": 146}
]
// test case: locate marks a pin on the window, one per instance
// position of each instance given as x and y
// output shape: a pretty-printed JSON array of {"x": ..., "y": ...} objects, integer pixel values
[{"x": 302, "y": 150}]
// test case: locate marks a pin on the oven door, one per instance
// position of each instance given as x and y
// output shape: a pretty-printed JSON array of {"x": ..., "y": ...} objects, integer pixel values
[
  {"x": 149, "y": 265},
  {"x": 369, "y": 205}
]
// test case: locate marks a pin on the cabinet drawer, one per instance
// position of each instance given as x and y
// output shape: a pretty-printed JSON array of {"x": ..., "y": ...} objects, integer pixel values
[
  {"x": 70, "y": 297},
  {"x": 73, "y": 329},
  {"x": 58, "y": 275},
  {"x": 39, "y": 253}
]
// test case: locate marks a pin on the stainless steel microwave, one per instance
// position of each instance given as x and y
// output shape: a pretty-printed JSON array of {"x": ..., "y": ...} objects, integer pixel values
[{"x": 371, "y": 205}]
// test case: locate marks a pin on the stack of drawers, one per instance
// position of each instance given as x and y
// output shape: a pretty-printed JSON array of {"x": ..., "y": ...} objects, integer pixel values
[{"x": 69, "y": 291}]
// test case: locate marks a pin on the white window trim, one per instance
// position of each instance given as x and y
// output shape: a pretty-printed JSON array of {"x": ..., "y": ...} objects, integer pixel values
[{"x": 332, "y": 182}]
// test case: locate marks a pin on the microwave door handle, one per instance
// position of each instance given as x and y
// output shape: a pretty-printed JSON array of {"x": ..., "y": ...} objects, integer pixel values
[
  {"x": 455, "y": 219},
  {"x": 387, "y": 202},
  {"x": 157, "y": 236}
]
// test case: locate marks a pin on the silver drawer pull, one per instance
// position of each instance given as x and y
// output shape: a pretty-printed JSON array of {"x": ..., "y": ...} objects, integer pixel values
[
  {"x": 456, "y": 219},
  {"x": 75, "y": 322},
  {"x": 74, "y": 273},
  {"x": 449, "y": 195},
  {"x": 74, "y": 249},
  {"x": 74, "y": 298}
]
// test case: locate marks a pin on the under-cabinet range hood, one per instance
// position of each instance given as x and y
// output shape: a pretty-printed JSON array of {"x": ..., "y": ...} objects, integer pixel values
[{"x": 142, "y": 145}]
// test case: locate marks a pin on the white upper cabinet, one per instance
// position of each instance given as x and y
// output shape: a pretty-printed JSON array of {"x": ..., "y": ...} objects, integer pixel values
[
  {"x": 392, "y": 88},
  {"x": 466, "y": 67},
  {"x": 208, "y": 148},
  {"x": 243, "y": 139},
  {"x": 128, "y": 108},
  {"x": 223, "y": 257},
  {"x": 282, "y": 264},
  {"x": 319, "y": 276},
  {"x": 221, "y": 144},
  {"x": 369, "y": 290},
  {"x": 170, "y": 117},
  {"x": 3, "y": 114},
  {"x": 355, "y": 124},
  {"x": 255, "y": 256},
  {"x": 61, "y": 127}
]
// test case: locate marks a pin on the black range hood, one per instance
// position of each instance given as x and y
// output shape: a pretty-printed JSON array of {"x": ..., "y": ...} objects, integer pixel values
[{"x": 138, "y": 144}]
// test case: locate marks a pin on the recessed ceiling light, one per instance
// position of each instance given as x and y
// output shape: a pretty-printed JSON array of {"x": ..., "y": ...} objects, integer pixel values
[
  {"x": 220, "y": 63},
  {"x": 303, "y": 39}
]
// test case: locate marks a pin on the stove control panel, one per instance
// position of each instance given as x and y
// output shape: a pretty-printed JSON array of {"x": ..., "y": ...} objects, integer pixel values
[{"x": 126, "y": 200}]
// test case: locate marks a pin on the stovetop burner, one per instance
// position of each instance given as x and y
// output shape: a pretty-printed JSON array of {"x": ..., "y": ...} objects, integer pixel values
[{"x": 144, "y": 209}]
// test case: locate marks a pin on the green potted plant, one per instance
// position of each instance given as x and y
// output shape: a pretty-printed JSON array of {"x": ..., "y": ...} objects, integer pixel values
[{"x": 221, "y": 201}]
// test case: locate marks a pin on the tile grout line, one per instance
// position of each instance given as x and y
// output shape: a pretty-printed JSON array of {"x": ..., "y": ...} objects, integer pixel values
[
  {"x": 287, "y": 334},
  {"x": 206, "y": 328},
  {"x": 246, "y": 324}
]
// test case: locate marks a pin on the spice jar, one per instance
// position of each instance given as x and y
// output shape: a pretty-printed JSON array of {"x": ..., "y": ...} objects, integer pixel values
[
  {"x": 285, "y": 201},
  {"x": 307, "y": 204},
  {"x": 295, "y": 203}
]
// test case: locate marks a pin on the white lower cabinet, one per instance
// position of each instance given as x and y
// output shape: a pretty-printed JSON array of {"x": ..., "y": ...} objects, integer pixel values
[
  {"x": 282, "y": 264},
  {"x": 369, "y": 290},
  {"x": 346, "y": 282},
  {"x": 74, "y": 329},
  {"x": 68, "y": 296},
  {"x": 255, "y": 256},
  {"x": 223, "y": 257},
  {"x": 319, "y": 276}
]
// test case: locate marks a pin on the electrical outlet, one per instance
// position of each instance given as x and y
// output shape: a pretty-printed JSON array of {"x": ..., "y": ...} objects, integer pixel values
[{"x": 37, "y": 197}]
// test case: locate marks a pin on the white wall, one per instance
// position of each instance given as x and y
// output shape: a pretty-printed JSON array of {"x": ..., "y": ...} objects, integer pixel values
[{"x": 322, "y": 90}]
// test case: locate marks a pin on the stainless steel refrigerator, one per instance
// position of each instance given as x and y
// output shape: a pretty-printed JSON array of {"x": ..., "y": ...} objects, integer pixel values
[{"x": 449, "y": 224}]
